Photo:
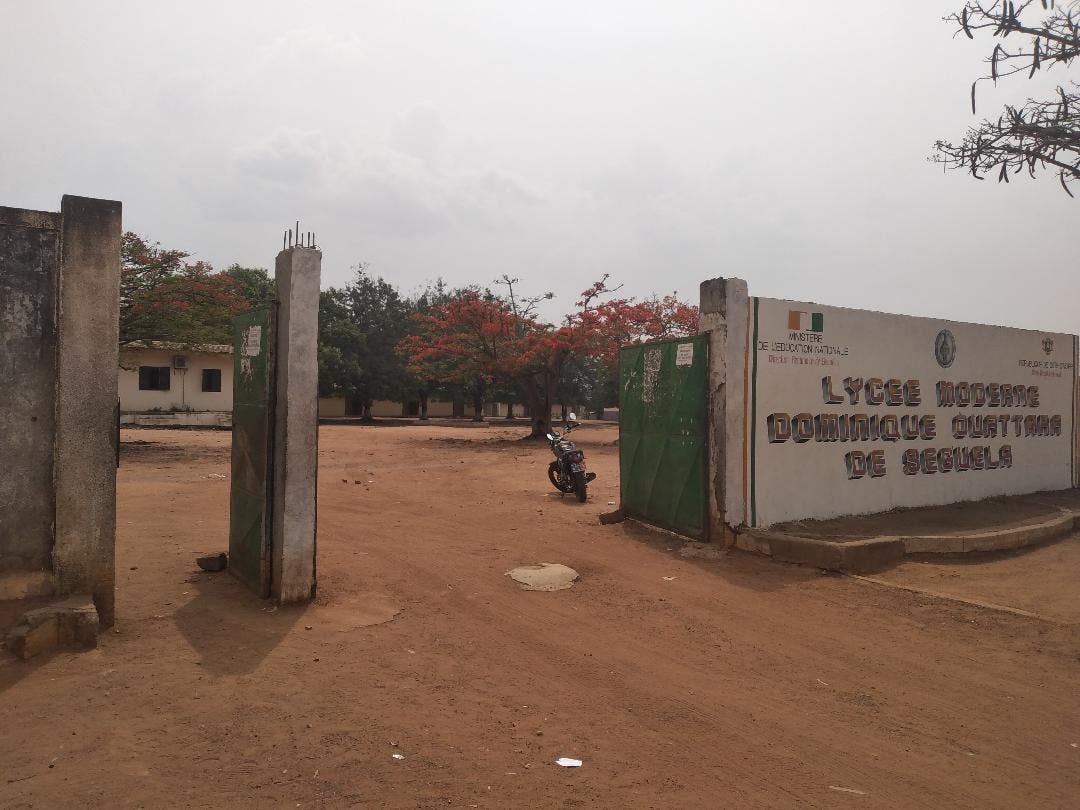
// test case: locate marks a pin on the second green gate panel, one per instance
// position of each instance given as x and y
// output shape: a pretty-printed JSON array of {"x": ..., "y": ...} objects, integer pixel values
[
  {"x": 253, "y": 401},
  {"x": 663, "y": 433}
]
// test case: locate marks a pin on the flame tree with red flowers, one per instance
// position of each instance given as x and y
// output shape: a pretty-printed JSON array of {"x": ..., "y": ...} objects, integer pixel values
[
  {"x": 470, "y": 340},
  {"x": 163, "y": 296},
  {"x": 480, "y": 340},
  {"x": 592, "y": 375}
]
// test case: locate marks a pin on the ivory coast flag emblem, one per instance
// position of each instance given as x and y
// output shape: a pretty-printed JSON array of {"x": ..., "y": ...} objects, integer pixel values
[{"x": 799, "y": 321}]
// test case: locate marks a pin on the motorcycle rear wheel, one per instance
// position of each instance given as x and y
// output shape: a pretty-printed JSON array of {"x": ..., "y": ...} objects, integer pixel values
[{"x": 581, "y": 486}]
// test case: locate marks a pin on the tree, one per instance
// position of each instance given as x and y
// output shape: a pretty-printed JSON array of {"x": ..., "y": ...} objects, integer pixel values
[
  {"x": 431, "y": 376},
  {"x": 611, "y": 324},
  {"x": 143, "y": 266},
  {"x": 483, "y": 342},
  {"x": 165, "y": 297},
  {"x": 621, "y": 321},
  {"x": 1039, "y": 134},
  {"x": 342, "y": 346},
  {"x": 533, "y": 382},
  {"x": 584, "y": 381},
  {"x": 360, "y": 326},
  {"x": 254, "y": 283},
  {"x": 470, "y": 339}
]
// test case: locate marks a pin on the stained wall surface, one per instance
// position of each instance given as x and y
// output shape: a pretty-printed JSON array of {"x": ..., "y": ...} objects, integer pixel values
[
  {"x": 29, "y": 268},
  {"x": 59, "y": 310}
]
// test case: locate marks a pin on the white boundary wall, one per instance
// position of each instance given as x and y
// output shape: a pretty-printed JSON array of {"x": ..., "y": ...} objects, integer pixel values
[{"x": 802, "y": 440}]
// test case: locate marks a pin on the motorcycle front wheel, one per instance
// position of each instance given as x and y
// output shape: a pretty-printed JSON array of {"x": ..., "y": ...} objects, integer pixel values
[
  {"x": 553, "y": 477},
  {"x": 580, "y": 485}
]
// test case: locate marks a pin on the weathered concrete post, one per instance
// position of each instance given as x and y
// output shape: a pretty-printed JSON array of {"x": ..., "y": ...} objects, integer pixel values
[
  {"x": 296, "y": 425},
  {"x": 86, "y": 382},
  {"x": 29, "y": 276},
  {"x": 724, "y": 317}
]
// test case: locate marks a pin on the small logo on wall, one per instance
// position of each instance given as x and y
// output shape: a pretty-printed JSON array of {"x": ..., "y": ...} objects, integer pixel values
[
  {"x": 798, "y": 321},
  {"x": 1048, "y": 345},
  {"x": 945, "y": 348}
]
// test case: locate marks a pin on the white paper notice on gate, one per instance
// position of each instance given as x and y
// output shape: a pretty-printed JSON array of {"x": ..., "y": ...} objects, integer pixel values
[
  {"x": 253, "y": 341},
  {"x": 684, "y": 354}
]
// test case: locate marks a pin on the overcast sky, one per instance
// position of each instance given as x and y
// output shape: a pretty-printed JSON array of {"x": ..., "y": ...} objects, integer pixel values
[{"x": 663, "y": 143}]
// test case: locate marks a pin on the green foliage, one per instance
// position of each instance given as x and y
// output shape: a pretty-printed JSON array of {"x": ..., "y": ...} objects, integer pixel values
[
  {"x": 434, "y": 379},
  {"x": 165, "y": 297},
  {"x": 342, "y": 346},
  {"x": 360, "y": 326},
  {"x": 589, "y": 381},
  {"x": 254, "y": 283}
]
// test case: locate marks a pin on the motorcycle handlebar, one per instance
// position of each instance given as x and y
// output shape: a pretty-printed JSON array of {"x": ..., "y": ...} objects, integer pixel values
[{"x": 566, "y": 429}]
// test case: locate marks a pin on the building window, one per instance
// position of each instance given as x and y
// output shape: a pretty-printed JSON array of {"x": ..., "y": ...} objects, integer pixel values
[
  {"x": 154, "y": 378},
  {"x": 211, "y": 380}
]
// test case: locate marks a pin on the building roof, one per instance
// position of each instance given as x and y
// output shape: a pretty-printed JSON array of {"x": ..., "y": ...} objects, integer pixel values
[{"x": 179, "y": 348}]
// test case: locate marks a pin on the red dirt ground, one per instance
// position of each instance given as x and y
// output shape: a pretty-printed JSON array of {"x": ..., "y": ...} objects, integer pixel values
[{"x": 727, "y": 682}]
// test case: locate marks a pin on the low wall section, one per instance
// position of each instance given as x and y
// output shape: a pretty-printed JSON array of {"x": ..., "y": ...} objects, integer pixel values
[{"x": 823, "y": 411}]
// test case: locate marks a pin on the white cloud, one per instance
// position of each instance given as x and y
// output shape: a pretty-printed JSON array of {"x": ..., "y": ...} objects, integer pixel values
[
  {"x": 317, "y": 42},
  {"x": 380, "y": 189}
]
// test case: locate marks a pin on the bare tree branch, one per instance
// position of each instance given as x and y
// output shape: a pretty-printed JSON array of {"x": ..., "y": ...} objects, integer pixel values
[{"x": 1038, "y": 135}]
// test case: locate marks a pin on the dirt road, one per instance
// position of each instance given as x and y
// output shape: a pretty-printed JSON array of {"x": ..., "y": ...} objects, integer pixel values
[{"x": 726, "y": 682}]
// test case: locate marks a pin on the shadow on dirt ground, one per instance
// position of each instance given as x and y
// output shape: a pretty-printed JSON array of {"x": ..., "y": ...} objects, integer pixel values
[{"x": 230, "y": 628}]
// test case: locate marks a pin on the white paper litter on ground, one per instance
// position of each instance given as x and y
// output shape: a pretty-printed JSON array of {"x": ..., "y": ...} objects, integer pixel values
[
  {"x": 398, "y": 756},
  {"x": 566, "y": 762}
]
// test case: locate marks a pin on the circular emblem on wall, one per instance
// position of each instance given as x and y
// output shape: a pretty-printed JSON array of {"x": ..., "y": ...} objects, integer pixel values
[
  {"x": 1048, "y": 345},
  {"x": 945, "y": 348}
]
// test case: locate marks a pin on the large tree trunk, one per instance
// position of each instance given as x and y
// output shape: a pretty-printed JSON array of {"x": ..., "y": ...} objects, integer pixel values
[
  {"x": 509, "y": 410},
  {"x": 478, "y": 402},
  {"x": 423, "y": 406},
  {"x": 366, "y": 413},
  {"x": 538, "y": 399},
  {"x": 539, "y": 389}
]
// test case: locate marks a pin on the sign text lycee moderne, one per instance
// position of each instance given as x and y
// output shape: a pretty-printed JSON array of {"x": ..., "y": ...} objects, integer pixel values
[{"x": 1016, "y": 419}]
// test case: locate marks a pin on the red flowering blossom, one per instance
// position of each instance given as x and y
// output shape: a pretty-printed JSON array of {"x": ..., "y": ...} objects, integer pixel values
[
  {"x": 165, "y": 297},
  {"x": 478, "y": 339}
]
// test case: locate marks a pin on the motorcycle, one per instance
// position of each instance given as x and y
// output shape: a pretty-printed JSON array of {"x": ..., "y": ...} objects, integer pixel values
[{"x": 567, "y": 473}]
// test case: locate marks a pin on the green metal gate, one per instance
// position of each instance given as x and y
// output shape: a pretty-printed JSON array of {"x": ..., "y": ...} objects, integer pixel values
[
  {"x": 663, "y": 433},
  {"x": 252, "y": 447}
]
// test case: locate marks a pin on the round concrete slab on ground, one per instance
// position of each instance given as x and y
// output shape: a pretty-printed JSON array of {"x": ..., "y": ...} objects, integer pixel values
[
  {"x": 544, "y": 577},
  {"x": 358, "y": 610}
]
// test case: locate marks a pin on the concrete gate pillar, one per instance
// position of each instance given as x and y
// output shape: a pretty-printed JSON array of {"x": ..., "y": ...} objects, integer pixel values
[
  {"x": 86, "y": 383},
  {"x": 59, "y": 321},
  {"x": 296, "y": 425},
  {"x": 724, "y": 316}
]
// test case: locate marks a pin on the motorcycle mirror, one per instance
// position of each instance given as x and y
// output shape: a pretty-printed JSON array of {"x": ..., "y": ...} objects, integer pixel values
[
  {"x": 573, "y": 416},
  {"x": 550, "y": 437}
]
